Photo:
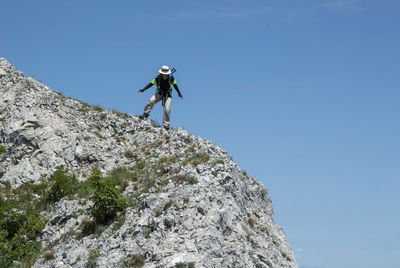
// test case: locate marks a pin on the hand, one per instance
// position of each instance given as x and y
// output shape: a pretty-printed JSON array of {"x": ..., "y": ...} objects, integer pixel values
[
  {"x": 180, "y": 96},
  {"x": 140, "y": 91}
]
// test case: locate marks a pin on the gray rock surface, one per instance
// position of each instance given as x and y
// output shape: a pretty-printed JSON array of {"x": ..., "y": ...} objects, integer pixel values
[{"x": 223, "y": 219}]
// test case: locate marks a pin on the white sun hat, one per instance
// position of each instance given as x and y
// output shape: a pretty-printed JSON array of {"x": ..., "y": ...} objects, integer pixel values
[{"x": 165, "y": 70}]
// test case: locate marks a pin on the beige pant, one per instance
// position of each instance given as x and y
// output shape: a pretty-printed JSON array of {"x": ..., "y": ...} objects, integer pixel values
[{"x": 167, "y": 107}]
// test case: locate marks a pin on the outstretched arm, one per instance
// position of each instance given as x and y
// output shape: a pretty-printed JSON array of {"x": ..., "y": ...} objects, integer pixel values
[
  {"x": 177, "y": 90},
  {"x": 145, "y": 88}
]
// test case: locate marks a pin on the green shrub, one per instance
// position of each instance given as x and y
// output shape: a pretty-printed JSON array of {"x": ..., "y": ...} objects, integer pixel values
[
  {"x": 107, "y": 200},
  {"x": 18, "y": 231},
  {"x": 62, "y": 185},
  {"x": 2, "y": 149}
]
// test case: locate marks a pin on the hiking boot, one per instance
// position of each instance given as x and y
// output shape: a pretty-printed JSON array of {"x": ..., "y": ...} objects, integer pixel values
[{"x": 143, "y": 116}]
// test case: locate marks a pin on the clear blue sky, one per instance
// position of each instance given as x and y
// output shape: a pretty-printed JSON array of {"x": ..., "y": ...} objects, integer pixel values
[{"x": 303, "y": 94}]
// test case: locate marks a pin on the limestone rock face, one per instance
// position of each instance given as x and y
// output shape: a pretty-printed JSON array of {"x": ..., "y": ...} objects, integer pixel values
[{"x": 217, "y": 217}]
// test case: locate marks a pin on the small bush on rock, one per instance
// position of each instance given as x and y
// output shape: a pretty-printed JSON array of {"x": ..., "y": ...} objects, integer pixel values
[
  {"x": 106, "y": 198},
  {"x": 136, "y": 261},
  {"x": 61, "y": 185},
  {"x": 2, "y": 149},
  {"x": 87, "y": 227},
  {"x": 49, "y": 255},
  {"x": 129, "y": 154}
]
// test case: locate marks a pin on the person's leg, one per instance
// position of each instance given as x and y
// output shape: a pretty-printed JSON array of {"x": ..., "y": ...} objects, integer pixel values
[
  {"x": 167, "y": 110},
  {"x": 153, "y": 100}
]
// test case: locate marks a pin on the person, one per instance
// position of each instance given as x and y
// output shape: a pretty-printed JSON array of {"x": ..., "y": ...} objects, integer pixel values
[{"x": 164, "y": 82}]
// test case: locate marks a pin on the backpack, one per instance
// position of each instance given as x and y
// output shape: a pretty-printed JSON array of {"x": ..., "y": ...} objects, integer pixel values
[{"x": 158, "y": 79}]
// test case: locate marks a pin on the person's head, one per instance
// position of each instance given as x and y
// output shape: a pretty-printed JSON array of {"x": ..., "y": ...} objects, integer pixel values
[{"x": 164, "y": 72}]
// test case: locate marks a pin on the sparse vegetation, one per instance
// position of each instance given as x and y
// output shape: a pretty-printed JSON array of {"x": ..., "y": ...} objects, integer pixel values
[
  {"x": 119, "y": 139},
  {"x": 167, "y": 205},
  {"x": 188, "y": 139},
  {"x": 49, "y": 255},
  {"x": 182, "y": 179},
  {"x": 156, "y": 144},
  {"x": 135, "y": 261},
  {"x": 98, "y": 109},
  {"x": 192, "y": 180},
  {"x": 119, "y": 222},
  {"x": 121, "y": 114},
  {"x": 186, "y": 200},
  {"x": 158, "y": 213},
  {"x": 286, "y": 256},
  {"x": 197, "y": 159},
  {"x": 92, "y": 260},
  {"x": 129, "y": 154},
  {"x": 61, "y": 96},
  {"x": 84, "y": 109},
  {"x": 219, "y": 161},
  {"x": 99, "y": 135},
  {"x": 87, "y": 227},
  {"x": 251, "y": 222},
  {"x": 121, "y": 176},
  {"x": 20, "y": 211},
  {"x": 20, "y": 215},
  {"x": 185, "y": 265}
]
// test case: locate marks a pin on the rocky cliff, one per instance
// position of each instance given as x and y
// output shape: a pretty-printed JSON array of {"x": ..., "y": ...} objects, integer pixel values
[{"x": 163, "y": 199}]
